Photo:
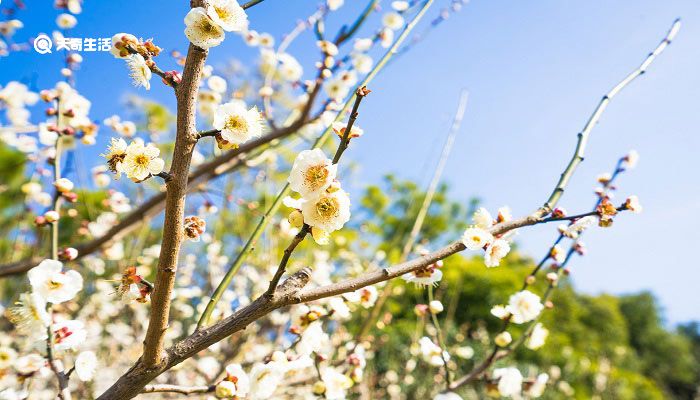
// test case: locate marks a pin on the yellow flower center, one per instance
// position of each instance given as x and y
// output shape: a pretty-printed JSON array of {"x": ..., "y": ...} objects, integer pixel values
[
  {"x": 53, "y": 285},
  {"x": 327, "y": 207},
  {"x": 315, "y": 176},
  {"x": 207, "y": 26},
  {"x": 222, "y": 12},
  {"x": 142, "y": 160},
  {"x": 236, "y": 123}
]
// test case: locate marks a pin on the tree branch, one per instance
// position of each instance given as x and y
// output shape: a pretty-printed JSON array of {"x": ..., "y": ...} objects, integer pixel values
[
  {"x": 165, "y": 388},
  {"x": 186, "y": 93},
  {"x": 595, "y": 117}
]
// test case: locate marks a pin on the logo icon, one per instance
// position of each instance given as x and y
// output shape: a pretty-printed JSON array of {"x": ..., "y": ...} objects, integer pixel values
[{"x": 43, "y": 44}]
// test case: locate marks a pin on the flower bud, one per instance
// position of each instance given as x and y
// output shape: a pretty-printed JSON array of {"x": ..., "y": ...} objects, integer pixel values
[
  {"x": 632, "y": 204},
  {"x": 530, "y": 279},
  {"x": 266, "y": 91},
  {"x": 63, "y": 185},
  {"x": 503, "y": 339},
  {"x": 225, "y": 389},
  {"x": 552, "y": 277},
  {"x": 319, "y": 388},
  {"x": 68, "y": 254},
  {"x": 51, "y": 216},
  {"x": 194, "y": 227},
  {"x": 40, "y": 221},
  {"x": 436, "y": 307},
  {"x": 71, "y": 197},
  {"x": 420, "y": 309},
  {"x": 296, "y": 219},
  {"x": 559, "y": 213}
]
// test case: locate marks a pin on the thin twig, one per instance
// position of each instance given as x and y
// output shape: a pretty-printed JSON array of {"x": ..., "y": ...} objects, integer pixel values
[
  {"x": 165, "y": 388},
  {"x": 298, "y": 238},
  {"x": 595, "y": 117}
]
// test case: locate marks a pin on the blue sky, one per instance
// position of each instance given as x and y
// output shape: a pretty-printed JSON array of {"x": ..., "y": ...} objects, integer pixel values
[{"x": 535, "y": 70}]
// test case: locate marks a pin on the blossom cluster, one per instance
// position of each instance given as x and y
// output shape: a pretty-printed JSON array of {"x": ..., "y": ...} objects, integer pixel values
[
  {"x": 33, "y": 317},
  {"x": 324, "y": 205}
]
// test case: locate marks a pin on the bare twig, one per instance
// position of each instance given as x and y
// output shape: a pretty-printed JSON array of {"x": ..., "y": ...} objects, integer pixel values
[{"x": 165, "y": 388}]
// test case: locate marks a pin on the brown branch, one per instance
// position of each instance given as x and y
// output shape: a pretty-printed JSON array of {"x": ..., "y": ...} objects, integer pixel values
[
  {"x": 360, "y": 93},
  {"x": 165, "y": 388},
  {"x": 298, "y": 238},
  {"x": 218, "y": 166},
  {"x": 288, "y": 293},
  {"x": 251, "y": 4},
  {"x": 185, "y": 140}
]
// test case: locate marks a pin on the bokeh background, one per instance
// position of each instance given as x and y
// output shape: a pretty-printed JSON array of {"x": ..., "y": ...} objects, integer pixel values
[{"x": 534, "y": 71}]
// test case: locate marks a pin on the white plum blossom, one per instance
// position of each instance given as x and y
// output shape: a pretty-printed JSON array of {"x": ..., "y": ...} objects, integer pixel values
[
  {"x": 510, "y": 381},
  {"x": 631, "y": 159},
  {"x": 495, "y": 252},
  {"x": 312, "y": 173},
  {"x": 482, "y": 218},
  {"x": 201, "y": 30},
  {"x": 142, "y": 161},
  {"x": 524, "y": 306},
  {"x": 400, "y": 5},
  {"x": 328, "y": 212},
  {"x": 66, "y": 21},
  {"x": 119, "y": 41},
  {"x": 573, "y": 230},
  {"x": 424, "y": 277},
  {"x": 313, "y": 340},
  {"x": 393, "y": 20},
  {"x": 264, "y": 379},
  {"x": 139, "y": 71},
  {"x": 68, "y": 335},
  {"x": 29, "y": 364},
  {"x": 85, "y": 365},
  {"x": 363, "y": 44},
  {"x": 52, "y": 283},
  {"x": 289, "y": 68},
  {"x": 336, "y": 383},
  {"x": 236, "y": 123},
  {"x": 334, "y": 4},
  {"x": 476, "y": 238},
  {"x": 448, "y": 395},
  {"x": 7, "y": 357},
  {"x": 537, "y": 337},
  {"x": 30, "y": 316},
  {"x": 225, "y": 390},
  {"x": 537, "y": 388},
  {"x": 432, "y": 353},
  {"x": 217, "y": 84},
  {"x": 235, "y": 374},
  {"x": 362, "y": 63},
  {"x": 228, "y": 15},
  {"x": 503, "y": 339},
  {"x": 632, "y": 203}
]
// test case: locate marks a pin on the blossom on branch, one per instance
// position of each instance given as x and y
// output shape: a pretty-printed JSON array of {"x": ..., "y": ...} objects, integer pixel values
[
  {"x": 237, "y": 124},
  {"x": 52, "y": 283},
  {"x": 139, "y": 71},
  {"x": 142, "y": 161},
  {"x": 201, "y": 30},
  {"x": 228, "y": 15},
  {"x": 312, "y": 173}
]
